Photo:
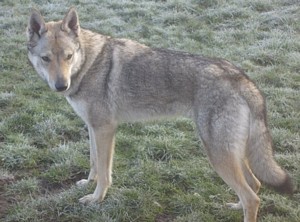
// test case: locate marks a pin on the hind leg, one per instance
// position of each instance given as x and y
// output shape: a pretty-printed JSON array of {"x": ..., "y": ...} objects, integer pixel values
[
  {"x": 251, "y": 180},
  {"x": 231, "y": 171},
  {"x": 224, "y": 130}
]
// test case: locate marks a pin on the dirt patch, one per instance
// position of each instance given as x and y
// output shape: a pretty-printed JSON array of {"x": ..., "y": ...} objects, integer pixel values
[
  {"x": 5, "y": 200},
  {"x": 49, "y": 187}
]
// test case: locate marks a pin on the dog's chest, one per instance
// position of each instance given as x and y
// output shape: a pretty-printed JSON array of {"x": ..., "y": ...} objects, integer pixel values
[{"x": 80, "y": 107}]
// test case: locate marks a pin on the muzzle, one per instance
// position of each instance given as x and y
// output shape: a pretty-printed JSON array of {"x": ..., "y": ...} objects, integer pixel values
[{"x": 61, "y": 85}]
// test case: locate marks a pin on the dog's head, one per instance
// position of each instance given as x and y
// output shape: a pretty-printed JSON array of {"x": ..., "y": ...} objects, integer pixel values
[{"x": 54, "y": 48}]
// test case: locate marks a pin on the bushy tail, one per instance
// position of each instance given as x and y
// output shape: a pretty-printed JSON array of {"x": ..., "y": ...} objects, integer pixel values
[
  {"x": 261, "y": 160},
  {"x": 260, "y": 151}
]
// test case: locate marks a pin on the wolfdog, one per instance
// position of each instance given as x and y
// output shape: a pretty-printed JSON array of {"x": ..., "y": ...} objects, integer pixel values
[{"x": 108, "y": 81}]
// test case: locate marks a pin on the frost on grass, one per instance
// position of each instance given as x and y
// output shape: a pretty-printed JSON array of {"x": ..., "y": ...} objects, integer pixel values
[{"x": 158, "y": 167}]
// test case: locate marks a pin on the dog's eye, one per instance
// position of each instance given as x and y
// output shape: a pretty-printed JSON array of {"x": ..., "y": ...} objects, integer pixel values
[
  {"x": 46, "y": 59},
  {"x": 69, "y": 56}
]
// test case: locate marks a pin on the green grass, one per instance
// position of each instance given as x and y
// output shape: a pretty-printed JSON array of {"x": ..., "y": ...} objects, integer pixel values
[{"x": 161, "y": 172}]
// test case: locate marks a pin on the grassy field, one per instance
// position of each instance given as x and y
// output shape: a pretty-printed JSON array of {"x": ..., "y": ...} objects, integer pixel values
[{"x": 161, "y": 172}]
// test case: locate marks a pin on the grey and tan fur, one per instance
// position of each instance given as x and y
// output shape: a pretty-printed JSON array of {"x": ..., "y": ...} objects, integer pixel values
[{"x": 109, "y": 80}]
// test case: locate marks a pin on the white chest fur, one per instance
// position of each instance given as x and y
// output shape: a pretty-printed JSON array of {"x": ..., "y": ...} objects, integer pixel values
[{"x": 80, "y": 107}]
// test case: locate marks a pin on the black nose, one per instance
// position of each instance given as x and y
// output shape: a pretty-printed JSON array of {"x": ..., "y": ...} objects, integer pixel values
[{"x": 61, "y": 86}]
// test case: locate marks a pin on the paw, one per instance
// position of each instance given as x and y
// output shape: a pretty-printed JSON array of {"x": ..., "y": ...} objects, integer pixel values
[
  {"x": 235, "y": 206},
  {"x": 88, "y": 199},
  {"x": 82, "y": 183}
]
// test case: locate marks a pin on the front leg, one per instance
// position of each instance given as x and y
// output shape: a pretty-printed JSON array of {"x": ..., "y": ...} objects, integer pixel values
[
  {"x": 93, "y": 153},
  {"x": 103, "y": 138}
]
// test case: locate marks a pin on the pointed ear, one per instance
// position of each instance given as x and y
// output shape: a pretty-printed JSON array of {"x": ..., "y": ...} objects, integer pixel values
[
  {"x": 70, "y": 22},
  {"x": 36, "y": 24}
]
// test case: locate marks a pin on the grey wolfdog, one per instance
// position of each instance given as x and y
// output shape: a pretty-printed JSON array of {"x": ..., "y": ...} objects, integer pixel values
[{"x": 108, "y": 80}]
